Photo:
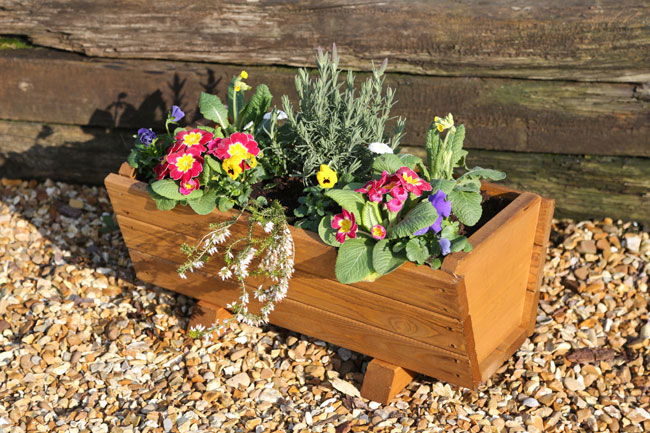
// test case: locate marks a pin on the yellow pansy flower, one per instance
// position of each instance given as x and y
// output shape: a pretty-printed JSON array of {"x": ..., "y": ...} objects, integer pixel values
[
  {"x": 327, "y": 177},
  {"x": 232, "y": 166}
]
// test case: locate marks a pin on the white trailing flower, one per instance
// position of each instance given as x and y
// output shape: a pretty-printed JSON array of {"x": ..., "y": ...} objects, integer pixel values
[
  {"x": 379, "y": 148},
  {"x": 268, "y": 227}
]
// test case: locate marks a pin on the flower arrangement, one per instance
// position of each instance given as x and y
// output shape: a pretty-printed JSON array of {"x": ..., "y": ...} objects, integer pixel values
[{"x": 328, "y": 166}]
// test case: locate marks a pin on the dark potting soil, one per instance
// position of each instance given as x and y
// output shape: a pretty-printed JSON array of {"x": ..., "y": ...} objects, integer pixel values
[
  {"x": 491, "y": 205},
  {"x": 284, "y": 189}
]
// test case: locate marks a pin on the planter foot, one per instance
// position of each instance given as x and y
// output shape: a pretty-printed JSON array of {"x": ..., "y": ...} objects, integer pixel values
[
  {"x": 207, "y": 314},
  {"x": 384, "y": 380}
]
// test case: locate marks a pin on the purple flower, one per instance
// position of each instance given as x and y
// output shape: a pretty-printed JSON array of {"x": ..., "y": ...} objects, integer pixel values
[
  {"x": 177, "y": 113},
  {"x": 443, "y": 207},
  {"x": 445, "y": 245},
  {"x": 146, "y": 136}
]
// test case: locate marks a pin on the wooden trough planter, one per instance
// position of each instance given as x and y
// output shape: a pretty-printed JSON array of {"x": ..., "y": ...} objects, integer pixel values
[{"x": 457, "y": 324}]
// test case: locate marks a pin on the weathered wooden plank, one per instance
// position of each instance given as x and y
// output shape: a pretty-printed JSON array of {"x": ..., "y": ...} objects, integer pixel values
[
  {"x": 551, "y": 39},
  {"x": 500, "y": 114},
  {"x": 67, "y": 153},
  {"x": 496, "y": 272},
  {"x": 354, "y": 335},
  {"x": 309, "y": 289}
]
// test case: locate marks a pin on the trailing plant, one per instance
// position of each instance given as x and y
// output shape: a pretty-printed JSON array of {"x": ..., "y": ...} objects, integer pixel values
[
  {"x": 334, "y": 125},
  {"x": 400, "y": 215},
  {"x": 264, "y": 255}
]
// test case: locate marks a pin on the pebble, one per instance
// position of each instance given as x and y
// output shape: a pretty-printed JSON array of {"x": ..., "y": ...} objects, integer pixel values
[{"x": 239, "y": 380}]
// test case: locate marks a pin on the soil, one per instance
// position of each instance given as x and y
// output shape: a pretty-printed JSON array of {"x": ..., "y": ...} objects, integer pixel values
[
  {"x": 491, "y": 205},
  {"x": 284, "y": 189}
]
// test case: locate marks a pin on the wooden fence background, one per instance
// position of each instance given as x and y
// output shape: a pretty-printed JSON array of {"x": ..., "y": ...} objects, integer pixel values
[{"x": 555, "y": 92}]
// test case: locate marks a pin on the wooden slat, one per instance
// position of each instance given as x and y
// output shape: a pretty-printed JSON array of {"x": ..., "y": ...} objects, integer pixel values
[
  {"x": 336, "y": 329},
  {"x": 499, "y": 114},
  {"x": 550, "y": 39},
  {"x": 496, "y": 272},
  {"x": 207, "y": 315},
  {"x": 504, "y": 351},
  {"x": 436, "y": 289},
  {"x": 390, "y": 315}
]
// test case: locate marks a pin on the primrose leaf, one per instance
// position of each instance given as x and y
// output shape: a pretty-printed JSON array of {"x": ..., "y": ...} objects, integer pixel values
[
  {"x": 167, "y": 188},
  {"x": 370, "y": 216},
  {"x": 225, "y": 204},
  {"x": 456, "y": 145},
  {"x": 486, "y": 173},
  {"x": 421, "y": 216},
  {"x": 205, "y": 204},
  {"x": 388, "y": 162},
  {"x": 257, "y": 106},
  {"x": 348, "y": 200},
  {"x": 354, "y": 260},
  {"x": 384, "y": 260},
  {"x": 213, "y": 109},
  {"x": 162, "y": 203},
  {"x": 466, "y": 206},
  {"x": 326, "y": 232},
  {"x": 444, "y": 185}
]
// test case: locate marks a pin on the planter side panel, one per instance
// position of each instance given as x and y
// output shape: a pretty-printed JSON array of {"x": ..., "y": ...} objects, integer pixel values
[
  {"x": 306, "y": 319},
  {"x": 496, "y": 273},
  {"x": 436, "y": 291},
  {"x": 388, "y": 314}
]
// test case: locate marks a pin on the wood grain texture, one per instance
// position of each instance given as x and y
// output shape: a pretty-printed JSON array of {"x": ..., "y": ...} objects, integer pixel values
[
  {"x": 500, "y": 114},
  {"x": 305, "y": 287},
  {"x": 496, "y": 272},
  {"x": 436, "y": 290},
  {"x": 551, "y": 39},
  {"x": 384, "y": 380},
  {"x": 336, "y": 329}
]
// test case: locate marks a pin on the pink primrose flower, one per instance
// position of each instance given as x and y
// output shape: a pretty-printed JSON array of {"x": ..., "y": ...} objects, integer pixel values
[
  {"x": 162, "y": 169},
  {"x": 238, "y": 145},
  {"x": 411, "y": 181},
  {"x": 378, "y": 232},
  {"x": 345, "y": 225},
  {"x": 188, "y": 186},
  {"x": 375, "y": 188},
  {"x": 394, "y": 204},
  {"x": 194, "y": 140},
  {"x": 399, "y": 192},
  {"x": 185, "y": 165}
]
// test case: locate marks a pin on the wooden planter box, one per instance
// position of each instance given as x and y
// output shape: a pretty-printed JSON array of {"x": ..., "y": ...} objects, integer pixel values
[{"x": 457, "y": 324}]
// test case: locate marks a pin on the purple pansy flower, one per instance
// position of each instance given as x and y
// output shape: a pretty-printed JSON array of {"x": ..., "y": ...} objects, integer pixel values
[
  {"x": 177, "y": 113},
  {"x": 445, "y": 245},
  {"x": 146, "y": 136},
  {"x": 443, "y": 207}
]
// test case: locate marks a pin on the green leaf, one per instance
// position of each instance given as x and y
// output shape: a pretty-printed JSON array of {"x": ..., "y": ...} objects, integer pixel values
[
  {"x": 486, "y": 173},
  {"x": 471, "y": 184},
  {"x": 162, "y": 203},
  {"x": 204, "y": 204},
  {"x": 177, "y": 130},
  {"x": 445, "y": 185},
  {"x": 206, "y": 174},
  {"x": 354, "y": 260},
  {"x": 167, "y": 188},
  {"x": 456, "y": 144},
  {"x": 370, "y": 215},
  {"x": 326, "y": 232},
  {"x": 466, "y": 206},
  {"x": 421, "y": 216},
  {"x": 348, "y": 200},
  {"x": 388, "y": 162},
  {"x": 213, "y": 163},
  {"x": 409, "y": 160},
  {"x": 206, "y": 129},
  {"x": 133, "y": 158},
  {"x": 384, "y": 260},
  {"x": 416, "y": 251},
  {"x": 235, "y": 103},
  {"x": 225, "y": 204},
  {"x": 257, "y": 106},
  {"x": 461, "y": 243},
  {"x": 213, "y": 109}
]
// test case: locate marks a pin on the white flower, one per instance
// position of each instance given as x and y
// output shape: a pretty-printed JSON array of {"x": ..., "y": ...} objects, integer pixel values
[
  {"x": 248, "y": 125},
  {"x": 198, "y": 328},
  {"x": 281, "y": 115},
  {"x": 268, "y": 227},
  {"x": 183, "y": 276},
  {"x": 225, "y": 273},
  {"x": 379, "y": 148}
]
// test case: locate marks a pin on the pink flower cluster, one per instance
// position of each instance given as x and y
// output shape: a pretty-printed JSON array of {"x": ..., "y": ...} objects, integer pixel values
[
  {"x": 185, "y": 158},
  {"x": 395, "y": 188}
]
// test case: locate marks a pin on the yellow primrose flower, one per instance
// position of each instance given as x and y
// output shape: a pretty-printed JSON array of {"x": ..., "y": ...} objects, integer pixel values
[
  {"x": 232, "y": 167},
  {"x": 244, "y": 74},
  {"x": 446, "y": 123},
  {"x": 237, "y": 88},
  {"x": 327, "y": 177}
]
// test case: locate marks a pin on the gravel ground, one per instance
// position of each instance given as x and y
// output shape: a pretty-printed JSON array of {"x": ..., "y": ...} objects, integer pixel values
[{"x": 86, "y": 347}]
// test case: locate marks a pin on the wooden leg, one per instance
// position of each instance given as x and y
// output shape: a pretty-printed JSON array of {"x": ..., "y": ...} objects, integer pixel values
[
  {"x": 207, "y": 314},
  {"x": 384, "y": 380}
]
